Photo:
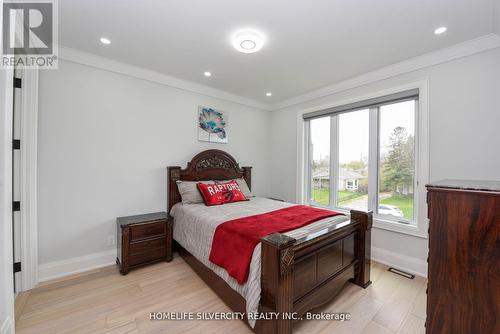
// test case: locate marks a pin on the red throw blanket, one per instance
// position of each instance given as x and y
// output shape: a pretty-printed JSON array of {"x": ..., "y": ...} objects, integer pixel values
[{"x": 235, "y": 240}]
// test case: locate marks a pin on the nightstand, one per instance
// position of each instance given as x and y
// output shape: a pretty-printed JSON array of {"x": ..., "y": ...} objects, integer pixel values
[{"x": 143, "y": 239}]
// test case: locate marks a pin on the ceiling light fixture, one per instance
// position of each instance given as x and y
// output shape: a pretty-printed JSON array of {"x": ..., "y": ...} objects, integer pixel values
[
  {"x": 207, "y": 74},
  {"x": 440, "y": 30},
  {"x": 105, "y": 41},
  {"x": 269, "y": 94},
  {"x": 248, "y": 41}
]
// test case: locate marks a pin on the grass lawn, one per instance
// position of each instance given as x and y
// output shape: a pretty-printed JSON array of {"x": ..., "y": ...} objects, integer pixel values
[
  {"x": 321, "y": 196},
  {"x": 405, "y": 203}
]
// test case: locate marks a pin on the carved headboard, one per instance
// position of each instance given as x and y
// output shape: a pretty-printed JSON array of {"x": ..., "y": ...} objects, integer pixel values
[{"x": 206, "y": 165}]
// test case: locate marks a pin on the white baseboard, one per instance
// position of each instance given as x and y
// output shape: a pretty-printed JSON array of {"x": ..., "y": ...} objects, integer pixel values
[
  {"x": 57, "y": 269},
  {"x": 7, "y": 326},
  {"x": 403, "y": 262}
]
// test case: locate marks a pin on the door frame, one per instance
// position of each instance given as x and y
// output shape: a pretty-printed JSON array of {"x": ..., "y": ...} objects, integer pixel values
[
  {"x": 6, "y": 251},
  {"x": 28, "y": 178}
]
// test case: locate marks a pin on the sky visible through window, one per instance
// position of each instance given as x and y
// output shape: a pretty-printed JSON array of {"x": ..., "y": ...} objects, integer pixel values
[
  {"x": 353, "y": 136},
  {"x": 354, "y": 142},
  {"x": 320, "y": 137},
  {"x": 392, "y": 116}
]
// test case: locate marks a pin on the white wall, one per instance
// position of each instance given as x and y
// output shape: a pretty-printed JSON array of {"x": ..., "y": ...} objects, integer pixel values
[
  {"x": 104, "y": 140},
  {"x": 464, "y": 104},
  {"x": 496, "y": 16}
]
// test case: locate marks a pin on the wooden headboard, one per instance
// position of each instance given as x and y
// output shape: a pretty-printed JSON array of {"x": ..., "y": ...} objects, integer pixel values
[{"x": 206, "y": 165}]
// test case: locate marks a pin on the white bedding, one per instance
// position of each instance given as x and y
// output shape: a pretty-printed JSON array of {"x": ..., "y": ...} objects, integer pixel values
[{"x": 195, "y": 224}]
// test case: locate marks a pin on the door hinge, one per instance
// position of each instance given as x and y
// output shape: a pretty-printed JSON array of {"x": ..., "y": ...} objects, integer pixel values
[
  {"x": 16, "y": 206},
  {"x": 17, "y": 82},
  {"x": 17, "y": 267},
  {"x": 16, "y": 144}
]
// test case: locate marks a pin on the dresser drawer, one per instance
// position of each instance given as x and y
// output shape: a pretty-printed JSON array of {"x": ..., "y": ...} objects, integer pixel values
[
  {"x": 146, "y": 231},
  {"x": 153, "y": 254},
  {"x": 146, "y": 246}
]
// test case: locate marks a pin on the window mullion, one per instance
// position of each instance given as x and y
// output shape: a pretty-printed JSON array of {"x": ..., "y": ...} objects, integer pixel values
[
  {"x": 416, "y": 162},
  {"x": 373, "y": 160},
  {"x": 309, "y": 157},
  {"x": 334, "y": 159}
]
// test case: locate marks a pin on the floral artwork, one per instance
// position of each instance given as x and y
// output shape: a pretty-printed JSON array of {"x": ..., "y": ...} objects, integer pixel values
[{"x": 212, "y": 125}]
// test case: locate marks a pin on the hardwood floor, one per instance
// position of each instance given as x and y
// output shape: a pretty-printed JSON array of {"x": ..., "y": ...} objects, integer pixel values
[{"x": 100, "y": 302}]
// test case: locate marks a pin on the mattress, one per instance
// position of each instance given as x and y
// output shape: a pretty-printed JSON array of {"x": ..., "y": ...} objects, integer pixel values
[{"x": 195, "y": 224}]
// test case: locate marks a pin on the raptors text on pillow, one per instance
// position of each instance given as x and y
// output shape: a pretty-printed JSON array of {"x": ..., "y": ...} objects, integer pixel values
[{"x": 215, "y": 194}]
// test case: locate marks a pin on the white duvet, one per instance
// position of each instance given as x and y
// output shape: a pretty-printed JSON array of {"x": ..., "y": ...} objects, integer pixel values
[{"x": 195, "y": 224}]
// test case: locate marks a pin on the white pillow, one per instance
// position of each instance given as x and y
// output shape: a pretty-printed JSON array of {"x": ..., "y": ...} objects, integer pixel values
[
  {"x": 242, "y": 184},
  {"x": 189, "y": 191}
]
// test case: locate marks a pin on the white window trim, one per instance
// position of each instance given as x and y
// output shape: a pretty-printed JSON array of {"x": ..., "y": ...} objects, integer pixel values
[{"x": 420, "y": 227}]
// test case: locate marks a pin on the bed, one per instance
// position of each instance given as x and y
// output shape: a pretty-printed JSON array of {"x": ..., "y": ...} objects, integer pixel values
[{"x": 290, "y": 273}]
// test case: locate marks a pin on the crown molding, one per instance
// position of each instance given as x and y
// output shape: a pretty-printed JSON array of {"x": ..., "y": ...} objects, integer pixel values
[
  {"x": 481, "y": 44},
  {"x": 110, "y": 65}
]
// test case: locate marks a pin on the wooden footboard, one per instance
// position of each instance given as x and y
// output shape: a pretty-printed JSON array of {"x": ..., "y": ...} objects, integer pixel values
[{"x": 300, "y": 275}]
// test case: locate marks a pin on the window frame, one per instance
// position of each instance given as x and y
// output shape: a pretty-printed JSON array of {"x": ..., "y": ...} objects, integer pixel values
[{"x": 421, "y": 174}]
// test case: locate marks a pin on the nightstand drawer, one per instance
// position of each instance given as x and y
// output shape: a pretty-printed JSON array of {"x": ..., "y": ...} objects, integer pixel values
[
  {"x": 143, "y": 239},
  {"x": 146, "y": 246},
  {"x": 150, "y": 255},
  {"x": 150, "y": 230}
]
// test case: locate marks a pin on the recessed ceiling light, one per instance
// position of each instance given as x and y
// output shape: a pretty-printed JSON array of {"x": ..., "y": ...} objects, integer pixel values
[
  {"x": 248, "y": 41},
  {"x": 207, "y": 74},
  {"x": 105, "y": 40},
  {"x": 440, "y": 30},
  {"x": 269, "y": 94}
]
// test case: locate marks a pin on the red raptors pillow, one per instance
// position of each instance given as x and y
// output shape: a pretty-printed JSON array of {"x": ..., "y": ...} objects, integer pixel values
[{"x": 215, "y": 194}]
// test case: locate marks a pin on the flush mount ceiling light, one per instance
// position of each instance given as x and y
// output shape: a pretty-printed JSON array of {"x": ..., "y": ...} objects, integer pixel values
[
  {"x": 269, "y": 94},
  {"x": 207, "y": 74},
  {"x": 105, "y": 41},
  {"x": 248, "y": 41},
  {"x": 440, "y": 30}
]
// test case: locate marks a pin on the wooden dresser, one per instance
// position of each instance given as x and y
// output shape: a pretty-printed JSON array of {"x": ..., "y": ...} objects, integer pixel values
[
  {"x": 463, "y": 294},
  {"x": 143, "y": 239}
]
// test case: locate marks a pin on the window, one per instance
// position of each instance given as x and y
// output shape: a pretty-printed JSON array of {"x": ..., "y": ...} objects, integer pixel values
[
  {"x": 319, "y": 148},
  {"x": 352, "y": 149},
  {"x": 362, "y": 156},
  {"x": 396, "y": 159}
]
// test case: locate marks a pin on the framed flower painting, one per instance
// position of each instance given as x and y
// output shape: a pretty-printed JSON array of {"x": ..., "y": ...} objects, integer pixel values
[{"x": 212, "y": 125}]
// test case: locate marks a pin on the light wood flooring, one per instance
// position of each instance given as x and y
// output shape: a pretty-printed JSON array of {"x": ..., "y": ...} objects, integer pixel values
[{"x": 103, "y": 301}]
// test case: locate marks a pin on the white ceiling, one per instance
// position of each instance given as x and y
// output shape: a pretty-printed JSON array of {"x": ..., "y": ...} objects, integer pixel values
[{"x": 310, "y": 44}]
